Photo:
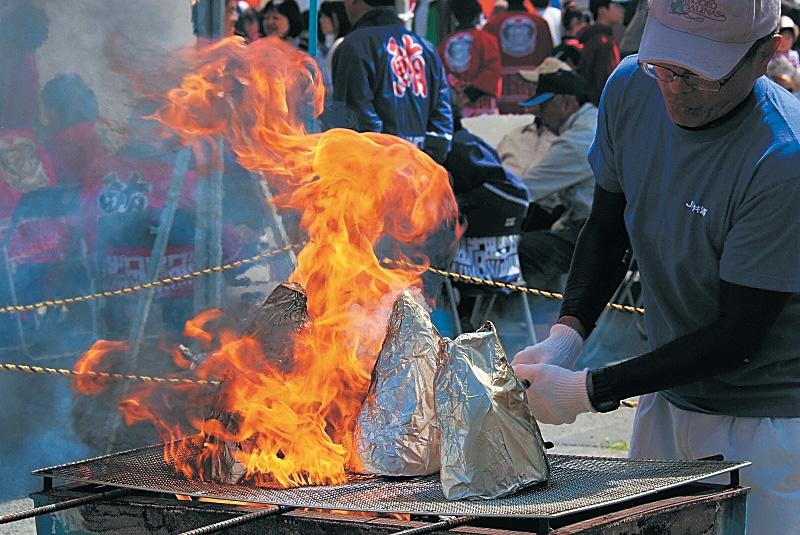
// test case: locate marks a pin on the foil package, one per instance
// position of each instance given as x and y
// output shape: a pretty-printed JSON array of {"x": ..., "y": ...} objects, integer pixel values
[
  {"x": 491, "y": 445},
  {"x": 397, "y": 433},
  {"x": 283, "y": 314}
]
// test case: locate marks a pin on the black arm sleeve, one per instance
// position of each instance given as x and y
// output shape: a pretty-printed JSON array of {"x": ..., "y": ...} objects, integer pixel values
[
  {"x": 745, "y": 318},
  {"x": 597, "y": 264}
]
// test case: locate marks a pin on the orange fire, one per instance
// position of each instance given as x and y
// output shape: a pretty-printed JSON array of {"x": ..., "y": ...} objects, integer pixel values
[
  {"x": 96, "y": 359},
  {"x": 356, "y": 192}
]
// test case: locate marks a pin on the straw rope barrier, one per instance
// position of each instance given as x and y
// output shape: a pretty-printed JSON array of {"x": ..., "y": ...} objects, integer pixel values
[
  {"x": 104, "y": 375},
  {"x": 52, "y": 303}
]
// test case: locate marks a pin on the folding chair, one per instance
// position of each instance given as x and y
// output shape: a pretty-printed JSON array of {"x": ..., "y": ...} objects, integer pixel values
[
  {"x": 488, "y": 250},
  {"x": 59, "y": 204},
  {"x": 628, "y": 293}
]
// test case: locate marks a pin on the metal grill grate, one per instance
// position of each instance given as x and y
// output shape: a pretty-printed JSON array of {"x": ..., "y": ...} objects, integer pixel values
[{"x": 577, "y": 483}]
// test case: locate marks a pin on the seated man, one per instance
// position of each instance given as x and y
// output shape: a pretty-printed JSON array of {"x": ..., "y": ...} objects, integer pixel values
[
  {"x": 524, "y": 146},
  {"x": 562, "y": 180},
  {"x": 494, "y": 202}
]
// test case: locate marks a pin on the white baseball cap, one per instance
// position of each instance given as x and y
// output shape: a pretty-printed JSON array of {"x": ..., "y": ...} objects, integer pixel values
[
  {"x": 547, "y": 66},
  {"x": 708, "y": 37}
]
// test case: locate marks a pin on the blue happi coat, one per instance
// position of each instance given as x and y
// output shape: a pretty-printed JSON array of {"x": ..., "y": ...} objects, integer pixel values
[{"x": 392, "y": 81}]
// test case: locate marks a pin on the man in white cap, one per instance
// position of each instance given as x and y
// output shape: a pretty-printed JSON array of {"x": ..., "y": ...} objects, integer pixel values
[{"x": 697, "y": 163}]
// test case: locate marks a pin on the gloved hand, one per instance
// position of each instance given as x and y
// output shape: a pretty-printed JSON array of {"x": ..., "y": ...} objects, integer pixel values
[
  {"x": 561, "y": 348},
  {"x": 555, "y": 395}
]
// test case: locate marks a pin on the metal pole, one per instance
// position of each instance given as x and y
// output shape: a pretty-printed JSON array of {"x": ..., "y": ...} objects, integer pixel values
[
  {"x": 201, "y": 221},
  {"x": 210, "y": 18},
  {"x": 282, "y": 267},
  {"x": 211, "y": 23},
  {"x": 313, "y": 27},
  {"x": 159, "y": 247},
  {"x": 439, "y": 526},
  {"x": 215, "y": 194},
  {"x": 239, "y": 520},
  {"x": 12, "y": 290},
  {"x": 60, "y": 506}
]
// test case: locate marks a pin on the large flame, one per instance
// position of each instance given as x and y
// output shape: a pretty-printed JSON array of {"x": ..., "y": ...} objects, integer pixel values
[{"x": 356, "y": 192}]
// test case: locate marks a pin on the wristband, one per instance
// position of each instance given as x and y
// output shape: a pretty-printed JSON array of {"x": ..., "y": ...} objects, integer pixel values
[{"x": 600, "y": 395}]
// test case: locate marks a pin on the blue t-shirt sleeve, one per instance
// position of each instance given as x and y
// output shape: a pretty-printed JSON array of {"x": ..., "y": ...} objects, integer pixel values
[
  {"x": 762, "y": 248},
  {"x": 602, "y": 158}
]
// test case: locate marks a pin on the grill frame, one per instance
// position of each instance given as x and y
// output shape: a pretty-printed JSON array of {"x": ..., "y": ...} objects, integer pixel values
[{"x": 588, "y": 483}]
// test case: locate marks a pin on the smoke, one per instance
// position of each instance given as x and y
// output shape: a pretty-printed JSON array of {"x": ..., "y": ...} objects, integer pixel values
[{"x": 85, "y": 182}]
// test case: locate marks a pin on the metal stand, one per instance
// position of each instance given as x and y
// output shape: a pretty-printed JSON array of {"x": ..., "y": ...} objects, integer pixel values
[{"x": 12, "y": 290}]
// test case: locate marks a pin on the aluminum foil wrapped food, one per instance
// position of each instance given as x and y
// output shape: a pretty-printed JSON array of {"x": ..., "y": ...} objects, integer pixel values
[
  {"x": 491, "y": 445},
  {"x": 397, "y": 433},
  {"x": 283, "y": 314}
]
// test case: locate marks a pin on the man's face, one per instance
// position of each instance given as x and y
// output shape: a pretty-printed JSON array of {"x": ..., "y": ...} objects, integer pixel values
[
  {"x": 550, "y": 113},
  {"x": 691, "y": 107},
  {"x": 616, "y": 13},
  {"x": 350, "y": 9}
]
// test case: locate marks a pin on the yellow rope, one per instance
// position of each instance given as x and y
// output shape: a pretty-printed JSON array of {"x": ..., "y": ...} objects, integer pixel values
[
  {"x": 51, "y": 303},
  {"x": 146, "y": 379},
  {"x": 225, "y": 267},
  {"x": 103, "y": 375},
  {"x": 512, "y": 287}
]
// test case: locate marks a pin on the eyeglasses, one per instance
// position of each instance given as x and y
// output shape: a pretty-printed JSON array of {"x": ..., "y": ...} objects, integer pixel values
[{"x": 666, "y": 75}]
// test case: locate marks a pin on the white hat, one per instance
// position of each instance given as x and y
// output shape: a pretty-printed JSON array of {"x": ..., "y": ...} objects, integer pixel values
[
  {"x": 547, "y": 66},
  {"x": 708, "y": 37},
  {"x": 788, "y": 24}
]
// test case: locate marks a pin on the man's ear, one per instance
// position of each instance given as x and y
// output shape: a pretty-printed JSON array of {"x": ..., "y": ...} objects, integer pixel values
[
  {"x": 766, "y": 51},
  {"x": 569, "y": 104}
]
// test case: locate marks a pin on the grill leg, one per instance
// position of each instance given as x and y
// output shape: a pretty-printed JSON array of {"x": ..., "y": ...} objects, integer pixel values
[{"x": 542, "y": 526}]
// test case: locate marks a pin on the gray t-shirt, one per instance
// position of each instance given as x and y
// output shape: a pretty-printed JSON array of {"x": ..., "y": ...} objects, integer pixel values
[{"x": 705, "y": 205}]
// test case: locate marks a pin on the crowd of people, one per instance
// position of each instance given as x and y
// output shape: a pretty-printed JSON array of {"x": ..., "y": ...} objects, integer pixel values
[
  {"x": 81, "y": 199},
  {"x": 655, "y": 132}
]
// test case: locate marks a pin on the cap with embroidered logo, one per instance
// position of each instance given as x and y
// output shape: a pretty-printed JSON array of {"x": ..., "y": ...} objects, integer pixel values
[{"x": 708, "y": 37}]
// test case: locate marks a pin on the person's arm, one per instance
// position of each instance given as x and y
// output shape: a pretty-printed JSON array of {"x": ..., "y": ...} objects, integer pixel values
[
  {"x": 597, "y": 264},
  {"x": 563, "y": 166},
  {"x": 729, "y": 342},
  {"x": 439, "y": 130},
  {"x": 489, "y": 79},
  {"x": 596, "y": 272}
]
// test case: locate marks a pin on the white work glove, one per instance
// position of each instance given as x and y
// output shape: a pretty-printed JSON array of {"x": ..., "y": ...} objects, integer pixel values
[
  {"x": 561, "y": 348},
  {"x": 555, "y": 395}
]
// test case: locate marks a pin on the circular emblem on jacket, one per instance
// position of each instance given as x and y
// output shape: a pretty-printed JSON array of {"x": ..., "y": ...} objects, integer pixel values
[{"x": 517, "y": 36}]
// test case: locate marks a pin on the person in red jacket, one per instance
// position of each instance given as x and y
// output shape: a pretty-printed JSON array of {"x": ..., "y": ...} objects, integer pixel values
[
  {"x": 23, "y": 29},
  {"x": 600, "y": 53},
  {"x": 525, "y": 41},
  {"x": 471, "y": 59}
]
